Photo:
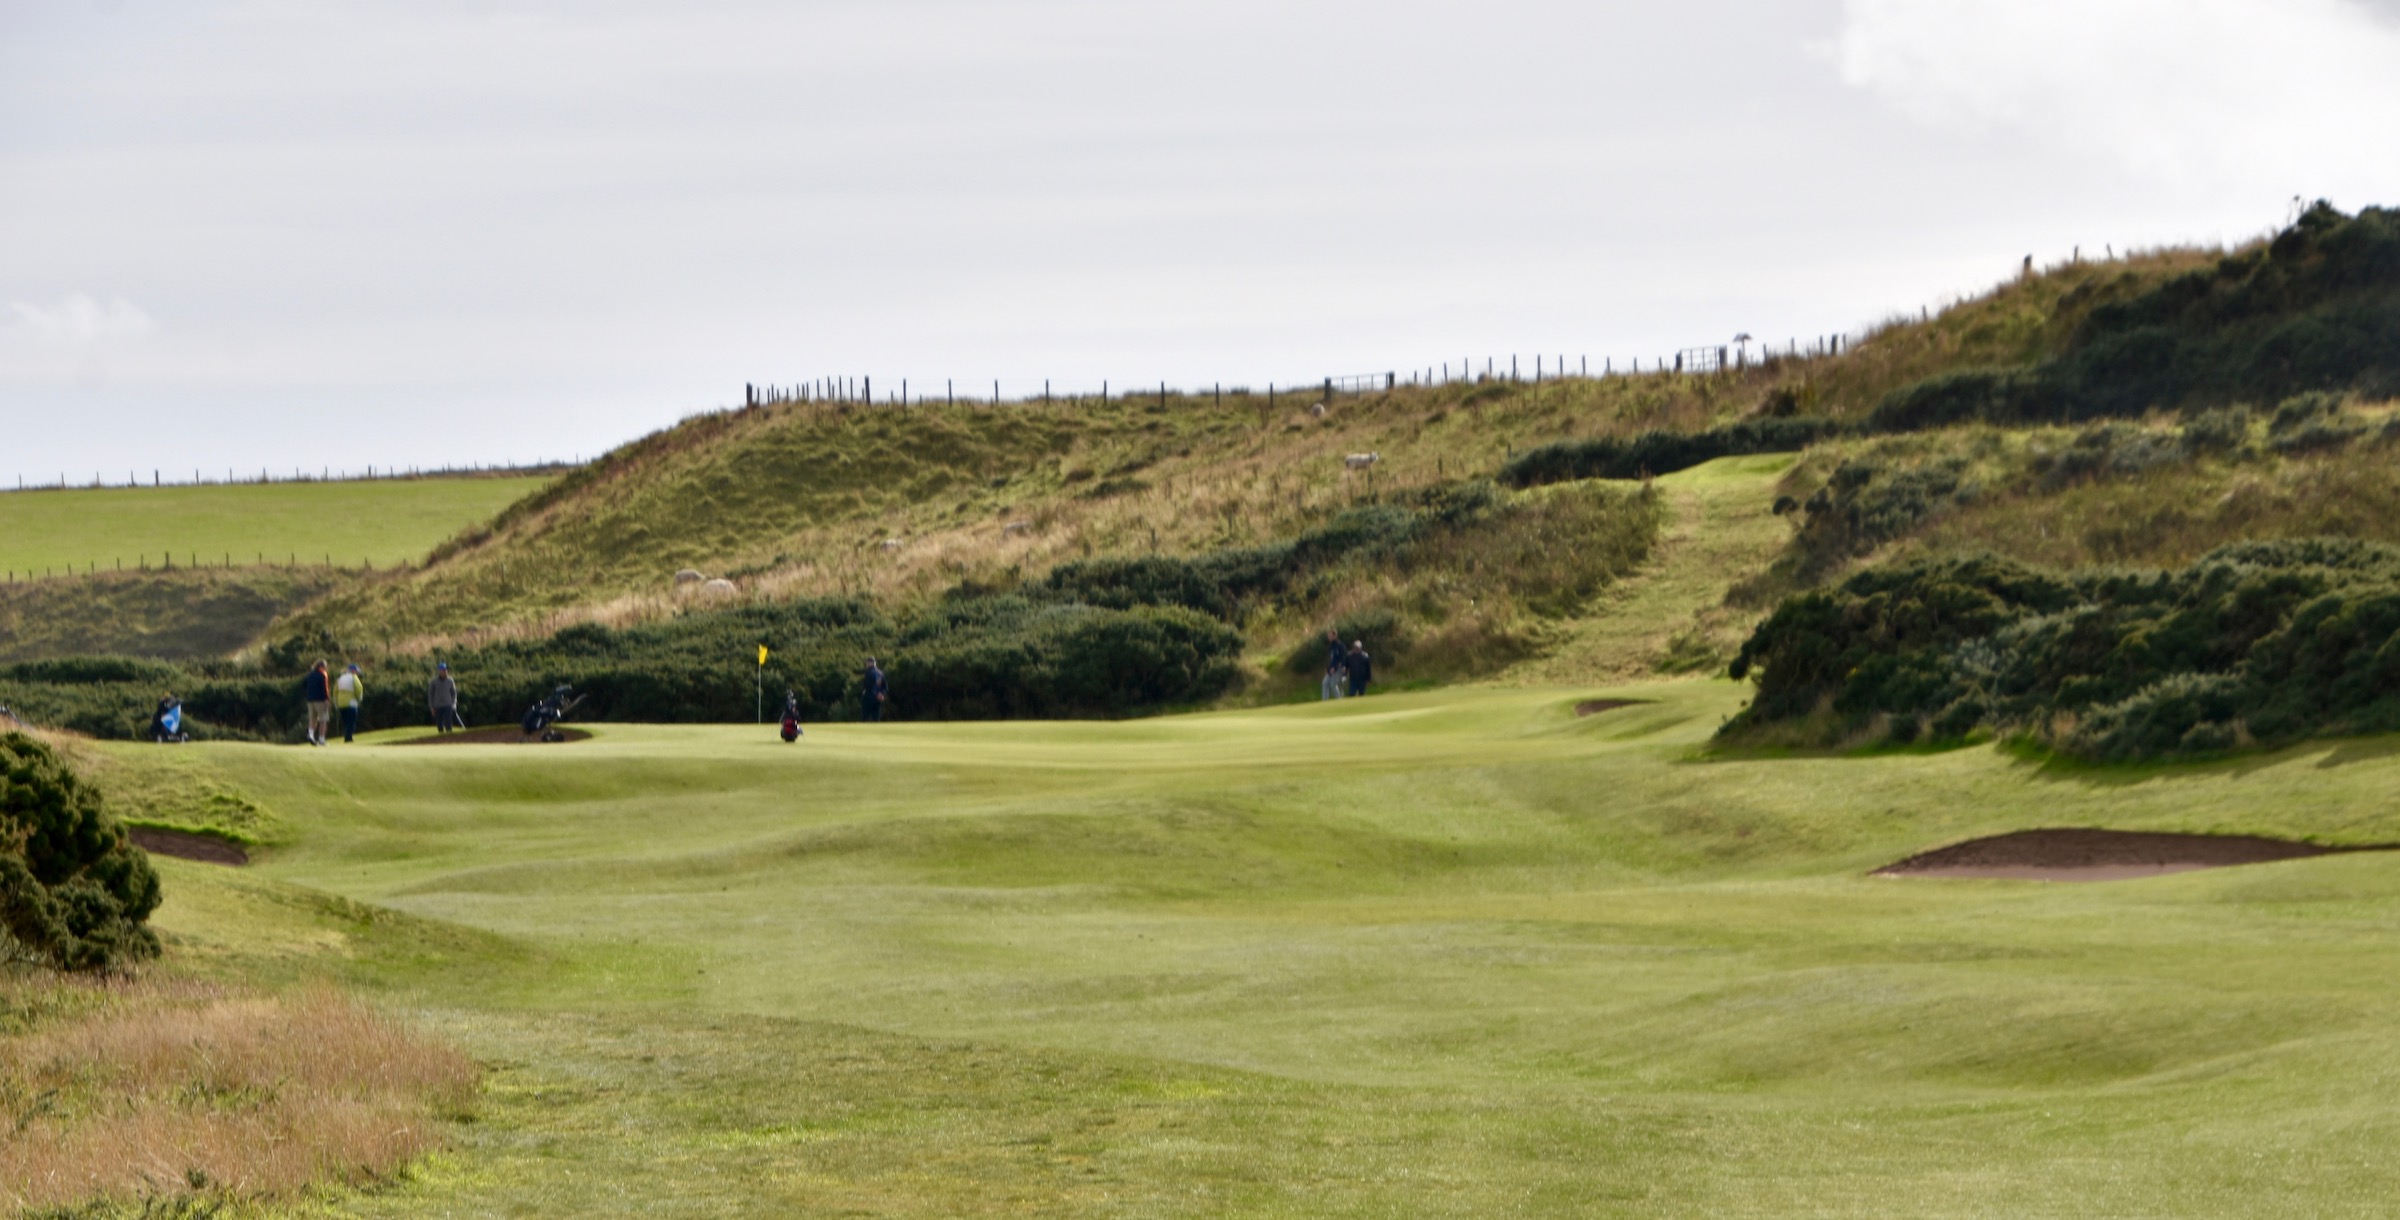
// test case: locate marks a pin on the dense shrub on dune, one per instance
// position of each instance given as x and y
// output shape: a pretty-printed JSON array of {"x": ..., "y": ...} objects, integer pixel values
[
  {"x": 1662, "y": 452},
  {"x": 73, "y": 891},
  {"x": 968, "y": 657},
  {"x": 1223, "y": 583},
  {"x": 1102, "y": 637},
  {"x": 2317, "y": 309},
  {"x": 2259, "y": 642}
]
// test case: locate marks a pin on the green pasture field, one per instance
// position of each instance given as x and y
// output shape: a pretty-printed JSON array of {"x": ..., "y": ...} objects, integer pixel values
[
  {"x": 381, "y": 521},
  {"x": 1457, "y": 953}
]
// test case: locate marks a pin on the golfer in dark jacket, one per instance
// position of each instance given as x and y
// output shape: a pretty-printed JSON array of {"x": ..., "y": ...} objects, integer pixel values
[
  {"x": 1362, "y": 670},
  {"x": 442, "y": 697},
  {"x": 872, "y": 693},
  {"x": 316, "y": 690}
]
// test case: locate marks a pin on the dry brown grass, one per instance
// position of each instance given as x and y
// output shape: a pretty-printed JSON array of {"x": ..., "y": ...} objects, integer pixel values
[{"x": 128, "y": 1089}]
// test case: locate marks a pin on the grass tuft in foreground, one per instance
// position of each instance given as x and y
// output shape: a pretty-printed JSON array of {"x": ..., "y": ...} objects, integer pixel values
[{"x": 141, "y": 1093}]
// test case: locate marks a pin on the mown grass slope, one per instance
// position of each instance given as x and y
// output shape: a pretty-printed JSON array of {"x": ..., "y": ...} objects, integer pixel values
[
  {"x": 1454, "y": 953},
  {"x": 382, "y": 522},
  {"x": 189, "y": 614}
]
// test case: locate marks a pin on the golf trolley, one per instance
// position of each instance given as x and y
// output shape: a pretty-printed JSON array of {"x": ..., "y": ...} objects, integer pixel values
[
  {"x": 542, "y": 718},
  {"x": 166, "y": 724}
]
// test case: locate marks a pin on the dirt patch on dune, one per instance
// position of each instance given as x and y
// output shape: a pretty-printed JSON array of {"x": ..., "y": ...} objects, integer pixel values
[
  {"x": 499, "y": 734},
  {"x": 2101, "y": 855},
  {"x": 1593, "y": 707},
  {"x": 186, "y": 846}
]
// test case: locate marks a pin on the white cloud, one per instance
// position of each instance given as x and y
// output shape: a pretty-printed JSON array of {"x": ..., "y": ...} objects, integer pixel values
[
  {"x": 79, "y": 321},
  {"x": 2285, "y": 95}
]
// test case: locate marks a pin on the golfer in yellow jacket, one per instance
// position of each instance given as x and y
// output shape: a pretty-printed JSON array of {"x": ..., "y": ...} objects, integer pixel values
[{"x": 348, "y": 691}]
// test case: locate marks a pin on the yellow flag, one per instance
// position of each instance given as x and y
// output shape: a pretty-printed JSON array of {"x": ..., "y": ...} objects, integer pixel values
[{"x": 762, "y": 654}]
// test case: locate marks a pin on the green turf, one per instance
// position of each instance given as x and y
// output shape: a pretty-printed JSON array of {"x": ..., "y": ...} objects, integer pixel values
[
  {"x": 382, "y": 522},
  {"x": 1448, "y": 954}
]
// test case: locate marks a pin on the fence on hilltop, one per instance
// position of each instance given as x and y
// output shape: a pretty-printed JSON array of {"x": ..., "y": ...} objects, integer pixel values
[{"x": 1739, "y": 356}]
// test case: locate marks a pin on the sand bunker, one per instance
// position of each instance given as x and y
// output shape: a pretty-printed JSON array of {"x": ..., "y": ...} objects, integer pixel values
[
  {"x": 2100, "y": 855},
  {"x": 185, "y": 846},
  {"x": 1593, "y": 707},
  {"x": 499, "y": 734}
]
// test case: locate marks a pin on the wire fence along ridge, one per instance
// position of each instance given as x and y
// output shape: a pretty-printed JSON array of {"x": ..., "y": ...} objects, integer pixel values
[
  {"x": 1741, "y": 354},
  {"x": 234, "y": 477},
  {"x": 191, "y": 561}
]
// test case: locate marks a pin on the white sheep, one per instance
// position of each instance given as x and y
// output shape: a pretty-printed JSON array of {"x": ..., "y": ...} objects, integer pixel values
[{"x": 1360, "y": 461}]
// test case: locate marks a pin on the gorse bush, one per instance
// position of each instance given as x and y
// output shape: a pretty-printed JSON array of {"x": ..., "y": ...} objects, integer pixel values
[
  {"x": 969, "y": 657},
  {"x": 1223, "y": 583},
  {"x": 73, "y": 891},
  {"x": 2318, "y": 309},
  {"x": 2304, "y": 423},
  {"x": 2257, "y": 642},
  {"x": 1103, "y": 637},
  {"x": 1660, "y": 452}
]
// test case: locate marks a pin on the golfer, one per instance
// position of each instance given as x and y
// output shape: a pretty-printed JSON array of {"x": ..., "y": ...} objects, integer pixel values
[
  {"x": 442, "y": 697},
  {"x": 1362, "y": 669},
  {"x": 316, "y": 691},
  {"x": 348, "y": 690},
  {"x": 873, "y": 693}
]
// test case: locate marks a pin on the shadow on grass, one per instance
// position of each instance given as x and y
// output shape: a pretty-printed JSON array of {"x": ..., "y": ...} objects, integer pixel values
[
  {"x": 1737, "y": 750},
  {"x": 2043, "y": 762}
]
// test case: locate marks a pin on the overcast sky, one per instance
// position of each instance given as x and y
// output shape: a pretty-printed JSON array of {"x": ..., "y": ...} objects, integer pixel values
[{"x": 310, "y": 232}]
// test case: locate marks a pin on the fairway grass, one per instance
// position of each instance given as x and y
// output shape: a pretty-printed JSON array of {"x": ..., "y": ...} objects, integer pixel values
[
  {"x": 382, "y": 522},
  {"x": 1458, "y": 953}
]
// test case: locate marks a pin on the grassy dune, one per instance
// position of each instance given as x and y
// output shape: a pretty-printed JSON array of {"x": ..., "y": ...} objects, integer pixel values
[
  {"x": 346, "y": 524},
  {"x": 904, "y": 503},
  {"x": 1455, "y": 953}
]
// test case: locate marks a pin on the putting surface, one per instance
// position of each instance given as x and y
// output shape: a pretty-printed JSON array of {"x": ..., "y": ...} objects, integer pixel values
[
  {"x": 344, "y": 524},
  {"x": 1460, "y": 953}
]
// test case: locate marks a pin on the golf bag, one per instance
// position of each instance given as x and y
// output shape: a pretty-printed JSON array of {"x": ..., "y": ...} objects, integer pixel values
[
  {"x": 540, "y": 718},
  {"x": 791, "y": 717}
]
